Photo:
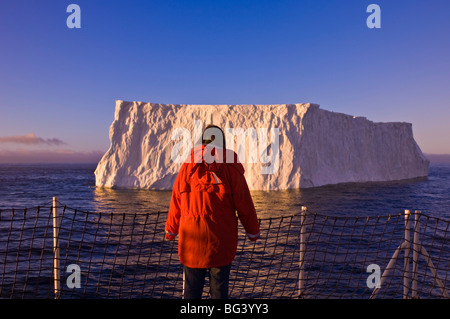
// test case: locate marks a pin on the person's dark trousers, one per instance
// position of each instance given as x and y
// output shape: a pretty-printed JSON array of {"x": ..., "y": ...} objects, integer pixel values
[{"x": 194, "y": 281}]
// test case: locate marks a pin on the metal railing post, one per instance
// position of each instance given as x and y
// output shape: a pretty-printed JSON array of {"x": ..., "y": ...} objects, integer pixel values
[
  {"x": 406, "y": 250},
  {"x": 301, "y": 279},
  {"x": 416, "y": 251},
  {"x": 56, "y": 269}
]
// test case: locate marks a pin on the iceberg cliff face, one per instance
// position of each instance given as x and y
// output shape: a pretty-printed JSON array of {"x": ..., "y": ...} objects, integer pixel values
[{"x": 285, "y": 146}]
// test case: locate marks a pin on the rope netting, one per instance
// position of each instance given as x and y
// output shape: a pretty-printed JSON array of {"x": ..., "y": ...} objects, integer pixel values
[{"x": 307, "y": 255}]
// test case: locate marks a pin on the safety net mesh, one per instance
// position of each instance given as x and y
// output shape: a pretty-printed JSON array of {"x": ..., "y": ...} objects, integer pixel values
[{"x": 305, "y": 255}]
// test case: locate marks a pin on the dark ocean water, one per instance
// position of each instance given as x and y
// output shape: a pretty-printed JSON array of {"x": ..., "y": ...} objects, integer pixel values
[
  {"x": 25, "y": 186},
  {"x": 29, "y": 186}
]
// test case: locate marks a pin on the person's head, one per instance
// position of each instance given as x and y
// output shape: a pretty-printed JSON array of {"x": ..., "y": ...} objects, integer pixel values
[{"x": 212, "y": 134}]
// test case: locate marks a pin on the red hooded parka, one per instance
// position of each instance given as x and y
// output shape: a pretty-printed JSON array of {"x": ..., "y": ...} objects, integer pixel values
[{"x": 205, "y": 197}]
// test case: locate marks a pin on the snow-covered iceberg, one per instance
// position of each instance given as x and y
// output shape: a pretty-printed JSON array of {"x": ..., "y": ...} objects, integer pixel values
[{"x": 313, "y": 147}]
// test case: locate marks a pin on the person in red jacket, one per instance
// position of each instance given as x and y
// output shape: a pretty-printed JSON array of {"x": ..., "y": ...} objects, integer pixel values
[{"x": 208, "y": 191}]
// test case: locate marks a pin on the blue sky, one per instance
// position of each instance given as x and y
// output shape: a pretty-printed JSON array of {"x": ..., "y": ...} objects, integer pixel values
[{"x": 60, "y": 84}]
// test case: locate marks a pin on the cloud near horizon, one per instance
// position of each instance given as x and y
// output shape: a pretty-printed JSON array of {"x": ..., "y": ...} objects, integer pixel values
[{"x": 31, "y": 139}]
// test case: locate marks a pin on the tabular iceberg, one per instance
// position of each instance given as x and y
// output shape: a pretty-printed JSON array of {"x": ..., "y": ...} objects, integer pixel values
[{"x": 314, "y": 147}]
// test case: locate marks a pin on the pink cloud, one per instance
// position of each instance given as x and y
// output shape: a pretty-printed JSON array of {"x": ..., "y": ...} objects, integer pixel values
[{"x": 31, "y": 139}]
